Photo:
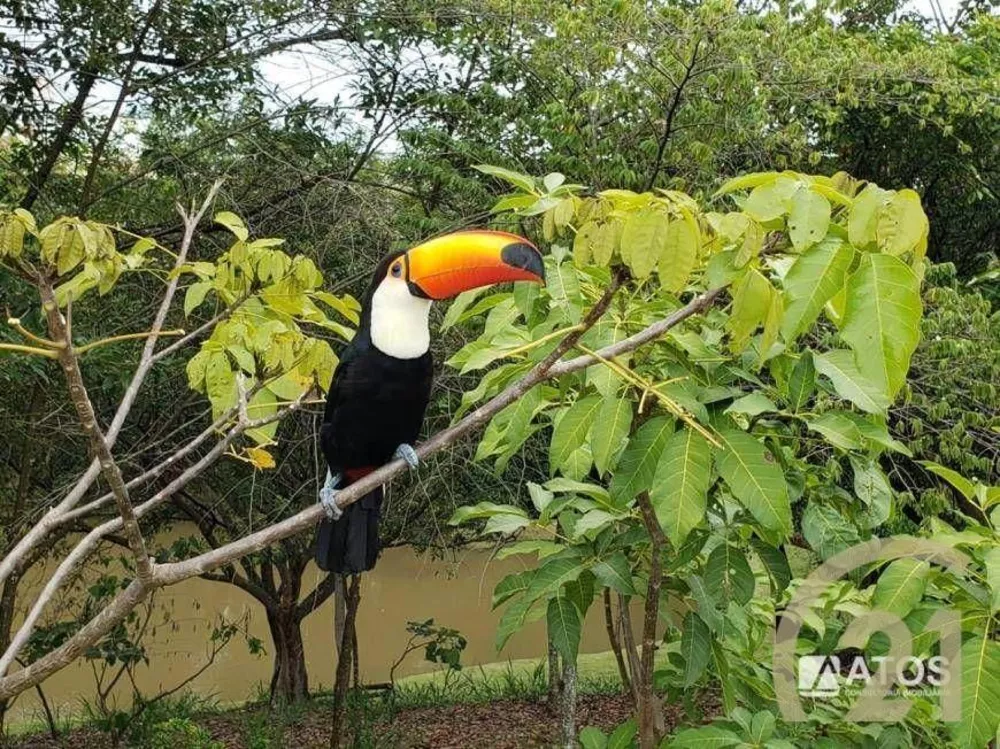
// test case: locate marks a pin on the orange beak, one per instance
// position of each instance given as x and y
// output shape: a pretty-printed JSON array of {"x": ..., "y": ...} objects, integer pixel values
[{"x": 446, "y": 266}]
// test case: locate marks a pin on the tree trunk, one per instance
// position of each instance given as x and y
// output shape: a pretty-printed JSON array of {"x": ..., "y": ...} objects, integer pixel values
[
  {"x": 555, "y": 681},
  {"x": 616, "y": 646},
  {"x": 290, "y": 678},
  {"x": 651, "y": 723},
  {"x": 567, "y": 717},
  {"x": 345, "y": 653}
]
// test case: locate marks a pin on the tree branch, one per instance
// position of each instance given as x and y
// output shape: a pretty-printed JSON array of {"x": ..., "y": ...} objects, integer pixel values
[{"x": 169, "y": 574}]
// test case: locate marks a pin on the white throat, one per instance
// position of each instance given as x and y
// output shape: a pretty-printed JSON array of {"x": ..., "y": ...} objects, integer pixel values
[{"x": 400, "y": 321}]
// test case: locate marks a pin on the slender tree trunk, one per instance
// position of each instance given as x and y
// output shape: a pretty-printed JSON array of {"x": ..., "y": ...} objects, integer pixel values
[
  {"x": 567, "y": 712},
  {"x": 616, "y": 645},
  {"x": 290, "y": 678},
  {"x": 345, "y": 652},
  {"x": 651, "y": 723},
  {"x": 555, "y": 681}
]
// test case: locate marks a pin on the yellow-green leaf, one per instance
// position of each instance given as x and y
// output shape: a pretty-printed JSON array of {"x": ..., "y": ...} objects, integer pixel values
[
  {"x": 679, "y": 253},
  {"x": 680, "y": 484},
  {"x": 811, "y": 282},
  {"x": 808, "y": 218},
  {"x": 882, "y": 319}
]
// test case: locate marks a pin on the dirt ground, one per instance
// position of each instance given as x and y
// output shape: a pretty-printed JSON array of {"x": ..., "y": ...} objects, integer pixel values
[{"x": 506, "y": 724}]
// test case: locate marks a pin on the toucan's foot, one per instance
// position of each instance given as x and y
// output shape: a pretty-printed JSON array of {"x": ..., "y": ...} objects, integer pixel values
[
  {"x": 407, "y": 453},
  {"x": 328, "y": 496}
]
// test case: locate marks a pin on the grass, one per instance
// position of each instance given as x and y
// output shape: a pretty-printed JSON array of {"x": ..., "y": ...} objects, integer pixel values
[{"x": 522, "y": 679}]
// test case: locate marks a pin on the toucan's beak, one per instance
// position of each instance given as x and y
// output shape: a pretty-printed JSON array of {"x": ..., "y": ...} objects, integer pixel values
[{"x": 446, "y": 266}]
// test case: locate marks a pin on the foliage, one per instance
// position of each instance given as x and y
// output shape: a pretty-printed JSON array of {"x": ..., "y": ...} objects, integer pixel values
[
  {"x": 181, "y": 733},
  {"x": 748, "y": 427}
]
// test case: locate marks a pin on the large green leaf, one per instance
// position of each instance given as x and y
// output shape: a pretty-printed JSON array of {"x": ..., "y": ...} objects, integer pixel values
[
  {"x": 571, "y": 431},
  {"x": 811, "y": 282},
  {"x": 755, "y": 479},
  {"x": 839, "y": 430},
  {"x": 564, "y": 625},
  {"x": 695, "y": 647},
  {"x": 610, "y": 430},
  {"x": 802, "y": 382},
  {"x": 862, "y": 222},
  {"x": 901, "y": 223},
  {"x": 849, "y": 382},
  {"x": 882, "y": 319},
  {"x": 637, "y": 465},
  {"x": 615, "y": 572},
  {"x": 980, "y": 693},
  {"x": 728, "y": 573},
  {"x": 705, "y": 737},
  {"x": 827, "y": 530},
  {"x": 775, "y": 563},
  {"x": 679, "y": 252},
  {"x": 901, "y": 586},
  {"x": 680, "y": 484},
  {"x": 752, "y": 296},
  {"x": 552, "y": 575},
  {"x": 808, "y": 218},
  {"x": 642, "y": 241}
]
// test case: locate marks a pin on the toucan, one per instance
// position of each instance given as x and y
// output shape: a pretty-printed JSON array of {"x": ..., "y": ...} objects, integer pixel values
[{"x": 376, "y": 401}]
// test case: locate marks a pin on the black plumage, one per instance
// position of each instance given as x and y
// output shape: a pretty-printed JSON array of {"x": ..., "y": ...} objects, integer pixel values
[{"x": 375, "y": 403}]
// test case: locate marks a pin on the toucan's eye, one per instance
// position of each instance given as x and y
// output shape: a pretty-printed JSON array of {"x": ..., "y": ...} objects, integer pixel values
[{"x": 397, "y": 269}]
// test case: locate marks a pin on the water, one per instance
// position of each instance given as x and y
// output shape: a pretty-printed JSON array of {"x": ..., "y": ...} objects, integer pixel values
[{"x": 406, "y": 585}]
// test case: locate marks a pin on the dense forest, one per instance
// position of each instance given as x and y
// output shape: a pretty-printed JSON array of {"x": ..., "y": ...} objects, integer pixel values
[{"x": 768, "y": 338}]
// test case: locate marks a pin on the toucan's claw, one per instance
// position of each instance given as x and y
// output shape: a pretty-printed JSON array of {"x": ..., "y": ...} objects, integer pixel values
[
  {"x": 328, "y": 496},
  {"x": 407, "y": 453}
]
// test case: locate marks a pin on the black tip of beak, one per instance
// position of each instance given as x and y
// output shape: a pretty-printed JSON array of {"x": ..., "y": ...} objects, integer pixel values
[{"x": 524, "y": 256}]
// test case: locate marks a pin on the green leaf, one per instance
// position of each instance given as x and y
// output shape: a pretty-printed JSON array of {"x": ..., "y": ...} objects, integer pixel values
[
  {"x": 593, "y": 738},
  {"x": 458, "y": 307},
  {"x": 613, "y": 421},
  {"x": 802, "y": 382},
  {"x": 839, "y": 430},
  {"x": 728, "y": 572},
  {"x": 571, "y": 430},
  {"x": 901, "y": 586},
  {"x": 564, "y": 291},
  {"x": 872, "y": 487},
  {"x": 775, "y": 563},
  {"x": 512, "y": 585},
  {"x": 583, "y": 243},
  {"x": 515, "y": 616},
  {"x": 811, "y": 282},
  {"x": 678, "y": 253},
  {"x": 637, "y": 465},
  {"x": 195, "y": 295},
  {"x": 965, "y": 487},
  {"x": 755, "y": 479},
  {"x": 615, "y": 572},
  {"x": 483, "y": 510},
  {"x": 991, "y": 561},
  {"x": 901, "y": 223},
  {"x": 808, "y": 218},
  {"x": 605, "y": 242},
  {"x": 770, "y": 201},
  {"x": 882, "y": 319},
  {"x": 705, "y": 737},
  {"x": 751, "y": 303},
  {"x": 980, "y": 693},
  {"x": 522, "y": 181},
  {"x": 861, "y": 225},
  {"x": 746, "y": 182},
  {"x": 563, "y": 620},
  {"x": 552, "y": 575},
  {"x": 827, "y": 531},
  {"x": 590, "y": 521},
  {"x": 505, "y": 523},
  {"x": 695, "y": 647},
  {"x": 234, "y": 223},
  {"x": 642, "y": 241},
  {"x": 849, "y": 382},
  {"x": 623, "y": 737},
  {"x": 753, "y": 404},
  {"x": 680, "y": 485}
]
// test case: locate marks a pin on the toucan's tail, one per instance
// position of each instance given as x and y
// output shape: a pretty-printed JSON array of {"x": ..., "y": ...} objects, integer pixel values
[{"x": 350, "y": 544}]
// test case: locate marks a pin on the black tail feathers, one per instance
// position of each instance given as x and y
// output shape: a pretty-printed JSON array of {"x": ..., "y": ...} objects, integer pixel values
[{"x": 350, "y": 545}]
